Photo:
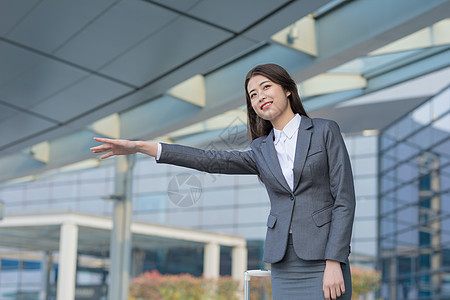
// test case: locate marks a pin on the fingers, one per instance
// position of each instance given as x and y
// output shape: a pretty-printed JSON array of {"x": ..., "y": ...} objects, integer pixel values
[
  {"x": 107, "y": 155},
  {"x": 103, "y": 140},
  {"x": 333, "y": 293},
  {"x": 342, "y": 288},
  {"x": 101, "y": 148},
  {"x": 326, "y": 293}
]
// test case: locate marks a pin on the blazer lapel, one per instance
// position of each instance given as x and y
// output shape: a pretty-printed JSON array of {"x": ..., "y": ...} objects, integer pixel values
[
  {"x": 271, "y": 157},
  {"x": 303, "y": 141}
]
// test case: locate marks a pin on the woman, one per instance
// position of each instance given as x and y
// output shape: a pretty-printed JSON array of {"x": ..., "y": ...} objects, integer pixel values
[{"x": 306, "y": 170}]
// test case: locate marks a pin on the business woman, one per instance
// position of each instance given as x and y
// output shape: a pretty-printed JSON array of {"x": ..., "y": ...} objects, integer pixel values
[{"x": 306, "y": 171}]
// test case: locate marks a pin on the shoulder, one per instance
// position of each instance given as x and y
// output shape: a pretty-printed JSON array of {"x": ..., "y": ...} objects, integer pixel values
[
  {"x": 258, "y": 141},
  {"x": 325, "y": 124}
]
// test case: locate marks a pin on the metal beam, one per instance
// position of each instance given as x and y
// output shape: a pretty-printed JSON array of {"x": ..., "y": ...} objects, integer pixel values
[{"x": 360, "y": 27}]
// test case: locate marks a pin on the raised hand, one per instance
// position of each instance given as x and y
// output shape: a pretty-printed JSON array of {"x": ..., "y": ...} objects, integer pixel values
[{"x": 115, "y": 147}]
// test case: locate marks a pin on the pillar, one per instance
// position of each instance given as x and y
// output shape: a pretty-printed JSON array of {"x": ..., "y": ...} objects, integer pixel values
[
  {"x": 239, "y": 263},
  {"x": 68, "y": 245},
  {"x": 211, "y": 260},
  {"x": 46, "y": 268},
  {"x": 120, "y": 254}
]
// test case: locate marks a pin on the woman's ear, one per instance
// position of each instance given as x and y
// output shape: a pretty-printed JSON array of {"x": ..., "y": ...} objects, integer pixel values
[{"x": 288, "y": 93}]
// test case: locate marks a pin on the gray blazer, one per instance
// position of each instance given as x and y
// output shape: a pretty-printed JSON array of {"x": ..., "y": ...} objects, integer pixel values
[{"x": 322, "y": 205}]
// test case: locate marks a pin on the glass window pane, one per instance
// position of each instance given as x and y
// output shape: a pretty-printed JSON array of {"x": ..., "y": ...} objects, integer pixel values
[
  {"x": 365, "y": 145},
  {"x": 441, "y": 104},
  {"x": 406, "y": 150},
  {"x": 408, "y": 238},
  {"x": 387, "y": 141},
  {"x": 423, "y": 139},
  {"x": 150, "y": 202},
  {"x": 441, "y": 129},
  {"x": 365, "y": 186},
  {"x": 387, "y": 227},
  {"x": 406, "y": 173},
  {"x": 64, "y": 191},
  {"x": 365, "y": 229},
  {"x": 365, "y": 166},
  {"x": 387, "y": 204},
  {"x": 422, "y": 115},
  {"x": 366, "y": 207}
]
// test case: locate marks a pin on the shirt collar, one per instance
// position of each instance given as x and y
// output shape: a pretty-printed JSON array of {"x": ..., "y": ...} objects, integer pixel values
[{"x": 289, "y": 130}]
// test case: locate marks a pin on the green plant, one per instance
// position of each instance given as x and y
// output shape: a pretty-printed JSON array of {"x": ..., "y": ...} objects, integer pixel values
[
  {"x": 364, "y": 280},
  {"x": 152, "y": 285},
  {"x": 260, "y": 288}
]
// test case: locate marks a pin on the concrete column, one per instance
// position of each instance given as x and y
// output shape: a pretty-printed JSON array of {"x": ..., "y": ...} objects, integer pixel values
[
  {"x": 46, "y": 268},
  {"x": 239, "y": 263},
  {"x": 211, "y": 260},
  {"x": 68, "y": 245},
  {"x": 121, "y": 232}
]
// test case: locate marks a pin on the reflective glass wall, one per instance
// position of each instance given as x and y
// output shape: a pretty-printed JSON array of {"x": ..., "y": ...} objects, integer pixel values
[
  {"x": 363, "y": 151},
  {"x": 414, "y": 242}
]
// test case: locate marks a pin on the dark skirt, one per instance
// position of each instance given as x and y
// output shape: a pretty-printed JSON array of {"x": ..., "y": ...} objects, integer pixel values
[{"x": 294, "y": 278}]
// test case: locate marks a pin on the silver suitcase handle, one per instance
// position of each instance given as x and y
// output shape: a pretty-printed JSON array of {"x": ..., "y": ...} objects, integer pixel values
[{"x": 248, "y": 276}]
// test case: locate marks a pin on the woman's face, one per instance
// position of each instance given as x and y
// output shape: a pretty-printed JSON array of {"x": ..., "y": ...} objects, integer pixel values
[{"x": 269, "y": 100}]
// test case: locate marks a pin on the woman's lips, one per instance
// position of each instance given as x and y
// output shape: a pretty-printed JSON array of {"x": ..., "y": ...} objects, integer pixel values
[{"x": 266, "y": 105}]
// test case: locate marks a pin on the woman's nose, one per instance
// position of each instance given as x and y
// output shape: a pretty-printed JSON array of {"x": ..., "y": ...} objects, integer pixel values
[{"x": 261, "y": 96}]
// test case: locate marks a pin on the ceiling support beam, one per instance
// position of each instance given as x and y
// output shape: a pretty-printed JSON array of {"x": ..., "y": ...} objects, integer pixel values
[{"x": 360, "y": 27}]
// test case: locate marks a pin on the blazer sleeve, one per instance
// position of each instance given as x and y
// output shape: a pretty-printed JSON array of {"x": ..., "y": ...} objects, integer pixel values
[
  {"x": 343, "y": 192},
  {"x": 211, "y": 161}
]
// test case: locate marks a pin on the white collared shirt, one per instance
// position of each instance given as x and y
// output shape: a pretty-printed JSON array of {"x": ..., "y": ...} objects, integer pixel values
[{"x": 286, "y": 150}]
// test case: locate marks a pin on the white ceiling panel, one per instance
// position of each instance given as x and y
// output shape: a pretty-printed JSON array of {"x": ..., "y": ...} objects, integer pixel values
[
  {"x": 21, "y": 126},
  {"x": 117, "y": 30},
  {"x": 180, "y": 5},
  {"x": 52, "y": 22},
  {"x": 14, "y": 61},
  {"x": 15, "y": 10},
  {"x": 44, "y": 79},
  {"x": 87, "y": 94},
  {"x": 168, "y": 48},
  {"x": 234, "y": 15}
]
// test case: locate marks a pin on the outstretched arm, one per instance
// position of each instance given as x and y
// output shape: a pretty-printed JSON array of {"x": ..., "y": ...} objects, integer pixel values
[
  {"x": 224, "y": 162},
  {"x": 115, "y": 147}
]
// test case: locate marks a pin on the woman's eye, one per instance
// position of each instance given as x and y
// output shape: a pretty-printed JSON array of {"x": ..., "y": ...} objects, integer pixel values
[
  {"x": 252, "y": 96},
  {"x": 266, "y": 87}
]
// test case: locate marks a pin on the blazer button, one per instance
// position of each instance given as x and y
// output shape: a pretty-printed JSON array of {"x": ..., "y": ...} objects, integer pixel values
[{"x": 292, "y": 197}]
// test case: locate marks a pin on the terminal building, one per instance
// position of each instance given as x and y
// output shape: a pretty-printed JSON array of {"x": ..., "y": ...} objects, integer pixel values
[{"x": 173, "y": 72}]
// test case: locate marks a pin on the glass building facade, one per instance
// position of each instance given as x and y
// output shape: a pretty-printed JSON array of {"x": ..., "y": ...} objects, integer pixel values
[
  {"x": 414, "y": 219},
  {"x": 364, "y": 158}
]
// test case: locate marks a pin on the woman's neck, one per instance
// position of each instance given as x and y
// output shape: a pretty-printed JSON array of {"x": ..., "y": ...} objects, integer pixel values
[{"x": 283, "y": 120}]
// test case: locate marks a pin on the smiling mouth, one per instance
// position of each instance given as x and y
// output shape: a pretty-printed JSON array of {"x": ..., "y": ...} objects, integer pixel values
[{"x": 266, "y": 105}]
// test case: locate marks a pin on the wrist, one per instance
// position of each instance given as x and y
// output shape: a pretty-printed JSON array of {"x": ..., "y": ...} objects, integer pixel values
[
  {"x": 139, "y": 145},
  {"x": 148, "y": 148},
  {"x": 330, "y": 262}
]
